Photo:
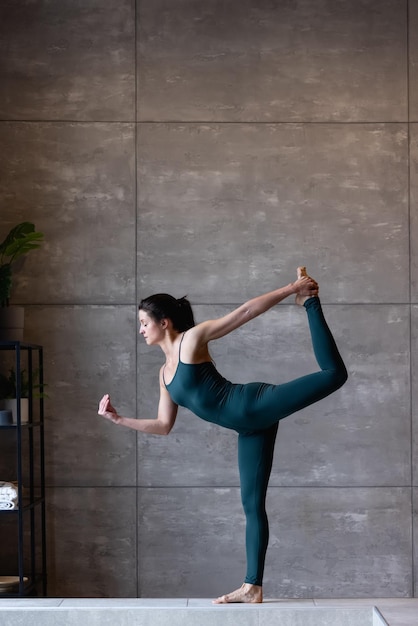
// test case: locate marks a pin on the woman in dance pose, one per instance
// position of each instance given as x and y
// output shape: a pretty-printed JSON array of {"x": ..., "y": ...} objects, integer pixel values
[{"x": 188, "y": 378}]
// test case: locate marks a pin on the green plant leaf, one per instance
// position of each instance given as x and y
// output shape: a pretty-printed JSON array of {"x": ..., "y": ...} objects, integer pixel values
[
  {"x": 21, "y": 239},
  {"x": 8, "y": 385},
  {"x": 21, "y": 230},
  {"x": 22, "y": 245}
]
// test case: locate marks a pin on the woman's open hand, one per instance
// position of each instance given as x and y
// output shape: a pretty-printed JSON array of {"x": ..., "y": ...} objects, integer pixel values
[
  {"x": 306, "y": 286},
  {"x": 107, "y": 410}
]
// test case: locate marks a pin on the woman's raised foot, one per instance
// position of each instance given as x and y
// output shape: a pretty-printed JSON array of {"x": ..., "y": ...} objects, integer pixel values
[
  {"x": 311, "y": 288},
  {"x": 251, "y": 594}
]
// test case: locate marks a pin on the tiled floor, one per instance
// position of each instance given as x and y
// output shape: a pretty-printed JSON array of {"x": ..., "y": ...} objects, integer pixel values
[
  {"x": 121, "y": 611},
  {"x": 396, "y": 611}
]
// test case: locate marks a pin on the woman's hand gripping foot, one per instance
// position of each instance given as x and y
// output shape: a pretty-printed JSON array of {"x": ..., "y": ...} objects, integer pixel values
[
  {"x": 251, "y": 594},
  {"x": 308, "y": 287}
]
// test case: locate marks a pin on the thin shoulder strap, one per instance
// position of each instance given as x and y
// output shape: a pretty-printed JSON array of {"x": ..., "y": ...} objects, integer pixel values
[{"x": 181, "y": 341}]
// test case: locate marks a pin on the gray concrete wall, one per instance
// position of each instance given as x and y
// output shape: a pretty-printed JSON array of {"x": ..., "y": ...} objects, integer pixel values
[{"x": 209, "y": 148}]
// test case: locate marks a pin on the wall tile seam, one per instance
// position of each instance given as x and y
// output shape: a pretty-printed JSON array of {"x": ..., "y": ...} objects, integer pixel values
[
  {"x": 132, "y": 122},
  {"x": 290, "y": 303},
  {"x": 138, "y": 576},
  {"x": 324, "y": 301},
  {"x": 73, "y": 302},
  {"x": 209, "y": 122},
  {"x": 409, "y": 66},
  {"x": 278, "y": 122},
  {"x": 92, "y": 486},
  {"x": 293, "y": 487},
  {"x": 228, "y": 486}
]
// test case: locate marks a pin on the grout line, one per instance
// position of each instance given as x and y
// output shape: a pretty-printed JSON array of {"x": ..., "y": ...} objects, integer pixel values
[
  {"x": 210, "y": 303},
  {"x": 213, "y": 122},
  {"x": 275, "y": 122},
  {"x": 156, "y": 487},
  {"x": 137, "y": 577},
  {"x": 411, "y": 399}
]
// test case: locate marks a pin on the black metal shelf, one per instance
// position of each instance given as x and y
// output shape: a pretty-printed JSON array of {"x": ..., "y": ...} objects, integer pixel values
[
  {"x": 22, "y": 345},
  {"x": 25, "y": 506},
  {"x": 24, "y": 587},
  {"x": 23, "y": 425},
  {"x": 29, "y": 453}
]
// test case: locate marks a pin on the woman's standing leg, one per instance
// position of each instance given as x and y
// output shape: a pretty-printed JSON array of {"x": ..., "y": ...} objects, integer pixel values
[{"x": 255, "y": 458}]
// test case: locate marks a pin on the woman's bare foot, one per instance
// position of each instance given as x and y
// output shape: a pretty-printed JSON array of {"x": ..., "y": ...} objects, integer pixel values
[
  {"x": 251, "y": 594},
  {"x": 305, "y": 295}
]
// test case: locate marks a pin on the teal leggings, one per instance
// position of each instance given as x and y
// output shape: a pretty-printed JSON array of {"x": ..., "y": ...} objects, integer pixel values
[{"x": 256, "y": 449}]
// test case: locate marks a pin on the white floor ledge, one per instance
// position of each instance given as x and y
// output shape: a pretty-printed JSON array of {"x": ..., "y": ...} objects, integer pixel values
[{"x": 201, "y": 612}]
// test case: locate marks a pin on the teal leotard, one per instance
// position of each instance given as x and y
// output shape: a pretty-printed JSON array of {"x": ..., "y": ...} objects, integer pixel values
[
  {"x": 254, "y": 410},
  {"x": 202, "y": 389}
]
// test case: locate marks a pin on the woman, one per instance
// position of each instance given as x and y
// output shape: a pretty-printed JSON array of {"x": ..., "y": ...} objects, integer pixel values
[{"x": 189, "y": 378}]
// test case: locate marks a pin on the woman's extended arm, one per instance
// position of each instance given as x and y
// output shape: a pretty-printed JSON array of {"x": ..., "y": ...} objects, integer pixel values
[
  {"x": 214, "y": 329},
  {"x": 162, "y": 425}
]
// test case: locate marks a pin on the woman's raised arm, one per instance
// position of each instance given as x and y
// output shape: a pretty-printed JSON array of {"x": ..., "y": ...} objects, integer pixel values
[{"x": 214, "y": 329}]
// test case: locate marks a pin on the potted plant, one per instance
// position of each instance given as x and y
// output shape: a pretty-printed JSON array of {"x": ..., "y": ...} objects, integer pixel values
[
  {"x": 20, "y": 240},
  {"x": 8, "y": 392}
]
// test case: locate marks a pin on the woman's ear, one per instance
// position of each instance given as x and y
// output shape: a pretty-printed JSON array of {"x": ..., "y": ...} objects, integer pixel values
[{"x": 164, "y": 323}]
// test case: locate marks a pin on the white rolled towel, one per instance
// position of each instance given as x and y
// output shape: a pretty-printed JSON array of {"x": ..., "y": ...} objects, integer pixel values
[{"x": 8, "y": 496}]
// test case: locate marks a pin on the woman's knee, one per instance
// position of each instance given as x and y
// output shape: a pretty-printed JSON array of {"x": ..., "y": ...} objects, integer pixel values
[
  {"x": 340, "y": 376},
  {"x": 254, "y": 505}
]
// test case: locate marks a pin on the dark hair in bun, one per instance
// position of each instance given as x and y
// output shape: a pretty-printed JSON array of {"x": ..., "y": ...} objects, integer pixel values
[{"x": 163, "y": 306}]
